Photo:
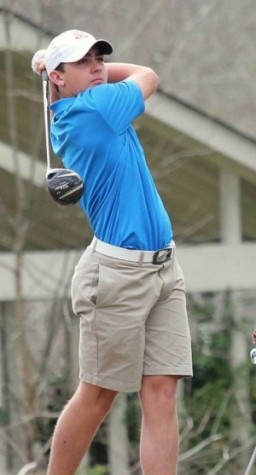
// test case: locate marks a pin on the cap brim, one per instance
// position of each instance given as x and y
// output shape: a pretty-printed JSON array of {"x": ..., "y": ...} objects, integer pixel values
[{"x": 104, "y": 46}]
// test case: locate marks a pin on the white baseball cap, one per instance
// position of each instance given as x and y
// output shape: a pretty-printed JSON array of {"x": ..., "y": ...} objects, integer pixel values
[{"x": 71, "y": 46}]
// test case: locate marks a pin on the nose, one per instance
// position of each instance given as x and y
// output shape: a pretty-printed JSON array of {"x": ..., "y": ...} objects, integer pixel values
[{"x": 95, "y": 65}]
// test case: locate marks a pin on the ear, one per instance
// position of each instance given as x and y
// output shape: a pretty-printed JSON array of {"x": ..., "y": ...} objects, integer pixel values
[{"x": 56, "y": 78}]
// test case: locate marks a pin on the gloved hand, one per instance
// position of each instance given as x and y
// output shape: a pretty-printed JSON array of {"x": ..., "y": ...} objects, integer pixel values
[{"x": 38, "y": 62}]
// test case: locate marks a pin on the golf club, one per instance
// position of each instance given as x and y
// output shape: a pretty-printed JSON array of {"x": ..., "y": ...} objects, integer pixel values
[{"x": 65, "y": 186}]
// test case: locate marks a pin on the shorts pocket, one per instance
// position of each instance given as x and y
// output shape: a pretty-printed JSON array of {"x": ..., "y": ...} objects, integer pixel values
[
  {"x": 116, "y": 286},
  {"x": 84, "y": 287}
]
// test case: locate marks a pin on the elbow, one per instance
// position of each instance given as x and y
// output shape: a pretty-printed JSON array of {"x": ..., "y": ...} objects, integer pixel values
[
  {"x": 155, "y": 79},
  {"x": 147, "y": 80}
]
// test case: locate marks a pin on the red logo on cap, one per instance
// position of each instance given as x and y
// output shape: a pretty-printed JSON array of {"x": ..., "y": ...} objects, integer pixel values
[{"x": 78, "y": 35}]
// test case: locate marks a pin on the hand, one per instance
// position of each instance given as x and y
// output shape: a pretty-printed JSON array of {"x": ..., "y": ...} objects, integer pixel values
[{"x": 38, "y": 62}]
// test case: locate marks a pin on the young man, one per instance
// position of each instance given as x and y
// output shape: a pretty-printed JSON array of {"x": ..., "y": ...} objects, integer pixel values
[{"x": 127, "y": 288}]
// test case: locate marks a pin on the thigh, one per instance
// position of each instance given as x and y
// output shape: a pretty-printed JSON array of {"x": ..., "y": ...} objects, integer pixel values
[
  {"x": 111, "y": 298},
  {"x": 168, "y": 342}
]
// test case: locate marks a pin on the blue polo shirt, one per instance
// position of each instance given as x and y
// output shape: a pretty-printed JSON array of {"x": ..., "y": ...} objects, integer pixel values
[{"x": 93, "y": 135}]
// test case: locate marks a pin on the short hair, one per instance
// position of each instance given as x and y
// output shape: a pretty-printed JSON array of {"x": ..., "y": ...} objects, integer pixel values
[{"x": 60, "y": 67}]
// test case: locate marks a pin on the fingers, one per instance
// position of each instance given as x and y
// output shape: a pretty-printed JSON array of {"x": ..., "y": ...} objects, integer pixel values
[{"x": 38, "y": 62}]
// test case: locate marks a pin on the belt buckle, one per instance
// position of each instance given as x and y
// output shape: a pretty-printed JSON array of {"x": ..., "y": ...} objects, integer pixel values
[{"x": 162, "y": 255}]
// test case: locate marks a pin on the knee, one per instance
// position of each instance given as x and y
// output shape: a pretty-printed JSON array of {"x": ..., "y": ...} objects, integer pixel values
[
  {"x": 159, "y": 391},
  {"x": 98, "y": 400},
  {"x": 105, "y": 399}
]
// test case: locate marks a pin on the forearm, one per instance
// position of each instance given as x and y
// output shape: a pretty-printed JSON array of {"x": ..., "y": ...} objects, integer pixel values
[{"x": 120, "y": 71}]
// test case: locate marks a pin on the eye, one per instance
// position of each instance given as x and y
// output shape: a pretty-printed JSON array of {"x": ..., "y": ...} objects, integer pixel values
[{"x": 82, "y": 60}]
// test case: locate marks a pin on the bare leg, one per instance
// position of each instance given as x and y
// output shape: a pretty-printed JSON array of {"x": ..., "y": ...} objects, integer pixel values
[
  {"x": 159, "y": 432},
  {"x": 76, "y": 427}
]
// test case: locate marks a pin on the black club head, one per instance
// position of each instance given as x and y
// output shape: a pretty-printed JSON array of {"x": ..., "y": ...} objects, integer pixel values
[{"x": 65, "y": 186}]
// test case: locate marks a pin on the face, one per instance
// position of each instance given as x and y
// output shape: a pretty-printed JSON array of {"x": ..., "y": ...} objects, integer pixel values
[{"x": 89, "y": 71}]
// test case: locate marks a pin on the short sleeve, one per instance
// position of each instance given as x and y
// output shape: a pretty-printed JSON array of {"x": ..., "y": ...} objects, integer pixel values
[{"x": 118, "y": 104}]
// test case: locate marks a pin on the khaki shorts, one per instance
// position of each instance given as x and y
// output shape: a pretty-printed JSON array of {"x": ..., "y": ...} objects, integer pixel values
[{"x": 133, "y": 320}]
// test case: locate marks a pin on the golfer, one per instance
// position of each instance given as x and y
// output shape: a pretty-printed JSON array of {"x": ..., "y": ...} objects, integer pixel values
[{"x": 128, "y": 288}]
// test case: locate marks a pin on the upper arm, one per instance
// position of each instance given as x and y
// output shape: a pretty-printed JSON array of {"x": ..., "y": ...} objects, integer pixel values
[{"x": 147, "y": 81}]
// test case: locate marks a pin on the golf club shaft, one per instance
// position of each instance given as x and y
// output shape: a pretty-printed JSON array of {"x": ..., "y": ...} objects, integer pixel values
[{"x": 46, "y": 118}]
